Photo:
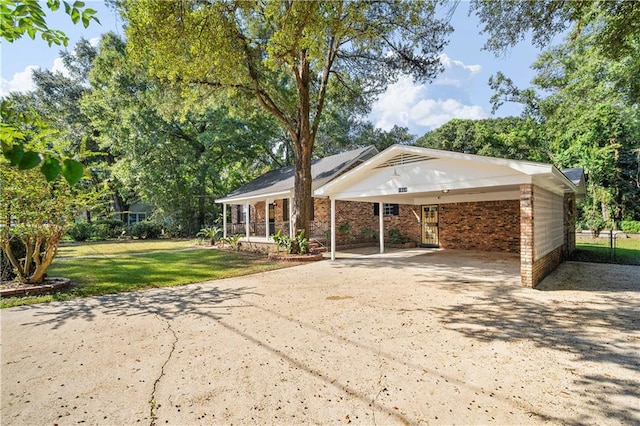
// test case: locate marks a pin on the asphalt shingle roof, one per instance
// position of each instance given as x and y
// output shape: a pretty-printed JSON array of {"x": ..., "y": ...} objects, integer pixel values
[{"x": 322, "y": 170}]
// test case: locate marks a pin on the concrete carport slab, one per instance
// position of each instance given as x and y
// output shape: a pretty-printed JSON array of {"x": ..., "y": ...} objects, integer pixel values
[{"x": 433, "y": 337}]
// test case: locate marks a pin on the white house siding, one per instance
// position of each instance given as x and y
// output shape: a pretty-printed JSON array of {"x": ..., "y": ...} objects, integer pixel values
[{"x": 548, "y": 222}]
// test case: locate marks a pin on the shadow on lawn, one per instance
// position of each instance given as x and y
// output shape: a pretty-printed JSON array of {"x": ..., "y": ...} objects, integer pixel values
[
  {"x": 582, "y": 328},
  {"x": 211, "y": 302}
]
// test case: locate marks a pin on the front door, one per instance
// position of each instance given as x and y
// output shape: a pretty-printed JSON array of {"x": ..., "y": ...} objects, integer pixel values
[
  {"x": 430, "y": 226},
  {"x": 272, "y": 218}
]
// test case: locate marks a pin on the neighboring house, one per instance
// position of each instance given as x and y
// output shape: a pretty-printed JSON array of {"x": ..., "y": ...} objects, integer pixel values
[
  {"x": 261, "y": 208},
  {"x": 436, "y": 198},
  {"x": 137, "y": 212}
]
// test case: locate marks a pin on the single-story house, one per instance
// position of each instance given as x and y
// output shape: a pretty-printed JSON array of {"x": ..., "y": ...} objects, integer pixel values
[
  {"x": 260, "y": 208},
  {"x": 437, "y": 198}
]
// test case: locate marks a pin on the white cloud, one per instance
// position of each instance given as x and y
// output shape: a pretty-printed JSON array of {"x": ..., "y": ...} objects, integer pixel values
[
  {"x": 449, "y": 63},
  {"x": 432, "y": 113},
  {"x": 20, "y": 82},
  {"x": 58, "y": 66},
  {"x": 411, "y": 105}
]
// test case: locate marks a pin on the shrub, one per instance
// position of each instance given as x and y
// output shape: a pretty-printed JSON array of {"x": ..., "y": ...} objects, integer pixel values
[
  {"x": 211, "y": 233},
  {"x": 105, "y": 229},
  {"x": 630, "y": 226},
  {"x": 233, "y": 241},
  {"x": 283, "y": 242},
  {"x": 81, "y": 231},
  {"x": 145, "y": 230}
]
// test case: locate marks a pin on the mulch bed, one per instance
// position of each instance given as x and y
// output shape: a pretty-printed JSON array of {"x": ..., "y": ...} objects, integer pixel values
[{"x": 8, "y": 289}]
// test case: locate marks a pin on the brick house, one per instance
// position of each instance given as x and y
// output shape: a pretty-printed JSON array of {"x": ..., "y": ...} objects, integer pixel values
[
  {"x": 432, "y": 197},
  {"x": 260, "y": 208}
]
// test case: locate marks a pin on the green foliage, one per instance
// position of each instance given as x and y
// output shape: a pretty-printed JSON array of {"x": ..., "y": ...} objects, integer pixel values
[
  {"x": 81, "y": 231},
  {"x": 369, "y": 234},
  {"x": 344, "y": 228},
  {"x": 630, "y": 226},
  {"x": 291, "y": 58},
  {"x": 36, "y": 213},
  {"x": 300, "y": 244},
  {"x": 511, "y": 137},
  {"x": 283, "y": 241},
  {"x": 233, "y": 241},
  {"x": 394, "y": 235},
  {"x": 146, "y": 230},
  {"x": 105, "y": 229},
  {"x": 20, "y": 17},
  {"x": 613, "y": 23},
  {"x": 297, "y": 245},
  {"x": 210, "y": 232}
]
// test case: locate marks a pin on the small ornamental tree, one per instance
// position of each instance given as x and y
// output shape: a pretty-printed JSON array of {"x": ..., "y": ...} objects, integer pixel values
[{"x": 36, "y": 213}]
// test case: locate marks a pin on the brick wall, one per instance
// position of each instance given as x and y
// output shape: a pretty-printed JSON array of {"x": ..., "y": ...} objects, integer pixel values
[
  {"x": 526, "y": 235},
  {"x": 487, "y": 226}
]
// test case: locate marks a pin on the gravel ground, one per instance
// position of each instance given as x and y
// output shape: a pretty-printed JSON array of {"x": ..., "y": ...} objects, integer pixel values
[{"x": 414, "y": 337}]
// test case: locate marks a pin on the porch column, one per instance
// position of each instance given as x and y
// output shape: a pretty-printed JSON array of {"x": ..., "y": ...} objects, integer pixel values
[
  {"x": 224, "y": 220},
  {"x": 266, "y": 218},
  {"x": 247, "y": 219},
  {"x": 333, "y": 229},
  {"x": 381, "y": 225},
  {"x": 291, "y": 217}
]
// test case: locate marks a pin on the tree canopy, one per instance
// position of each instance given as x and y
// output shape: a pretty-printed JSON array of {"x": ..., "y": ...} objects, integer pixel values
[{"x": 288, "y": 56}]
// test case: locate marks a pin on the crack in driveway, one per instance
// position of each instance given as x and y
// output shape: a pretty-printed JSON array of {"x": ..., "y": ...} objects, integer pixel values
[{"x": 152, "y": 401}]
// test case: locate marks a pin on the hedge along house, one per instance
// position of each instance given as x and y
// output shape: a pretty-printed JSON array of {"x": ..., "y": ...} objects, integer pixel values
[
  {"x": 261, "y": 208},
  {"x": 464, "y": 201}
]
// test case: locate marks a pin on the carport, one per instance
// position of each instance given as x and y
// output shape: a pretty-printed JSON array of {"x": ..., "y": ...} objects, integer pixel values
[{"x": 471, "y": 202}]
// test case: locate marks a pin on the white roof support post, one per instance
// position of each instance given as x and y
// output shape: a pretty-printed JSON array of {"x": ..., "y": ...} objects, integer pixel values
[
  {"x": 333, "y": 229},
  {"x": 224, "y": 220},
  {"x": 266, "y": 218},
  {"x": 291, "y": 217},
  {"x": 381, "y": 225},
  {"x": 247, "y": 219}
]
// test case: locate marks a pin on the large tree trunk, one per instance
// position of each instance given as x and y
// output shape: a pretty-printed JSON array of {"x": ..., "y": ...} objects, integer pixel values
[
  {"x": 303, "y": 147},
  {"x": 303, "y": 196}
]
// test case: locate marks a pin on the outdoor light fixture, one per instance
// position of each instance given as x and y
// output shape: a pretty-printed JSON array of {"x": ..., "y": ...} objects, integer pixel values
[
  {"x": 395, "y": 173},
  {"x": 445, "y": 191}
]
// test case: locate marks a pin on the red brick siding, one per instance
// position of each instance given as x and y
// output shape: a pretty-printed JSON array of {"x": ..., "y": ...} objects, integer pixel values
[
  {"x": 486, "y": 225},
  {"x": 526, "y": 235}
]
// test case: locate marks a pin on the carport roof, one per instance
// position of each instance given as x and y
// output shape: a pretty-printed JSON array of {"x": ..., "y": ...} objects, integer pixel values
[{"x": 416, "y": 175}]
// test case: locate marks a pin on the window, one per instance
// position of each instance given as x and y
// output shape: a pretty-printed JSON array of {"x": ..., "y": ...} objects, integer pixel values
[
  {"x": 285, "y": 209},
  {"x": 387, "y": 209},
  {"x": 136, "y": 217},
  {"x": 241, "y": 213}
]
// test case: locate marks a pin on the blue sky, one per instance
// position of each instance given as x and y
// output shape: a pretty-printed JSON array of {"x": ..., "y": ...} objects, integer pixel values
[{"x": 461, "y": 91}]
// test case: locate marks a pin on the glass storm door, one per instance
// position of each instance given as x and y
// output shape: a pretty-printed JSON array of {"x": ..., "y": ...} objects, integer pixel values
[{"x": 430, "y": 226}]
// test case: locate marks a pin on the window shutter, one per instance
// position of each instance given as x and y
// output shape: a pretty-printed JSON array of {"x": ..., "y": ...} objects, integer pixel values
[
  {"x": 285, "y": 210},
  {"x": 376, "y": 209},
  {"x": 396, "y": 209}
]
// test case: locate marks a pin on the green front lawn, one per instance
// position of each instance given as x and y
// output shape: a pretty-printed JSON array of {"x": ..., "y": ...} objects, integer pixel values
[
  {"x": 121, "y": 247},
  {"x": 598, "y": 250},
  {"x": 123, "y": 273}
]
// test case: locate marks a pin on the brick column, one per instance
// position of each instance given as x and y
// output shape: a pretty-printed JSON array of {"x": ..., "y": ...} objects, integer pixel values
[{"x": 526, "y": 235}]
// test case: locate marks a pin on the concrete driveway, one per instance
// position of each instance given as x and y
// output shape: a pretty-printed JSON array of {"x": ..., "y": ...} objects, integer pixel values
[{"x": 416, "y": 337}]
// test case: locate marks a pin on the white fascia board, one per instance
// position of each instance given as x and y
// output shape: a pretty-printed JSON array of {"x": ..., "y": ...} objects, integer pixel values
[{"x": 254, "y": 198}]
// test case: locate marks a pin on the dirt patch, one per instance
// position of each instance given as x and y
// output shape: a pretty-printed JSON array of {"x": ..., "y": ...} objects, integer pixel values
[{"x": 339, "y": 297}]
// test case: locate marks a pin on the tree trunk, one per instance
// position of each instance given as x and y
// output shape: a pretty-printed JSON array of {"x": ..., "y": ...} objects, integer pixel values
[{"x": 303, "y": 197}]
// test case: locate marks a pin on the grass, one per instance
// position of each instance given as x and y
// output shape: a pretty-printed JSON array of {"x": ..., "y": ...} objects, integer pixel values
[
  {"x": 121, "y": 247},
  {"x": 598, "y": 250},
  {"x": 94, "y": 276}
]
